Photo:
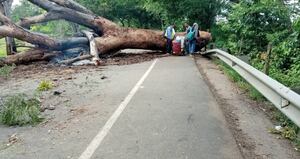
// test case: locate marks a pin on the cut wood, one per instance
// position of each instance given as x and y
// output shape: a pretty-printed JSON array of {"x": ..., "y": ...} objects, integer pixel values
[{"x": 93, "y": 47}]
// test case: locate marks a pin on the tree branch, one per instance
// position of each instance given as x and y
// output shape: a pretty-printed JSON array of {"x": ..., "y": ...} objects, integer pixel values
[
  {"x": 71, "y": 15},
  {"x": 4, "y": 19},
  {"x": 49, "y": 16},
  {"x": 72, "y": 5},
  {"x": 24, "y": 35},
  {"x": 43, "y": 41}
]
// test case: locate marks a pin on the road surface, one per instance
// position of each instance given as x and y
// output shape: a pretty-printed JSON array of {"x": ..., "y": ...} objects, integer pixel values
[
  {"x": 154, "y": 110},
  {"x": 172, "y": 115}
]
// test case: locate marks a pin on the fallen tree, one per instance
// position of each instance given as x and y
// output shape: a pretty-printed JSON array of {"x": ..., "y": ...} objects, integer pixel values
[{"x": 105, "y": 36}]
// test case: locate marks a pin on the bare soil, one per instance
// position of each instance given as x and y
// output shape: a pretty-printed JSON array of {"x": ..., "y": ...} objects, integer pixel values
[{"x": 44, "y": 68}]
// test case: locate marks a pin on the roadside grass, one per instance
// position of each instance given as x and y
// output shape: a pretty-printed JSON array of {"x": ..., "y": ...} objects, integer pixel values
[
  {"x": 6, "y": 70},
  {"x": 18, "y": 43},
  {"x": 45, "y": 85},
  {"x": 19, "y": 110},
  {"x": 287, "y": 129},
  {"x": 235, "y": 77},
  {"x": 2, "y": 48}
]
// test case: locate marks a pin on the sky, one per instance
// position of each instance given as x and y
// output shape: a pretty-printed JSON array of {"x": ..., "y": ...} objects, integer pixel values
[{"x": 16, "y": 2}]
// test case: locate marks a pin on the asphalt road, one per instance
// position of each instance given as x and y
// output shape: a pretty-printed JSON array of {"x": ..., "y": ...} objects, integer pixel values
[
  {"x": 152, "y": 110},
  {"x": 172, "y": 115}
]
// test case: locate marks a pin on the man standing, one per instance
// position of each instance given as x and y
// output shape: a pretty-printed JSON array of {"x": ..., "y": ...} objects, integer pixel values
[
  {"x": 193, "y": 36},
  {"x": 187, "y": 29},
  {"x": 170, "y": 35}
]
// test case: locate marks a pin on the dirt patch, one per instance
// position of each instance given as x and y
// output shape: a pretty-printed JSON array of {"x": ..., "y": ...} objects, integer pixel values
[
  {"x": 46, "y": 69},
  {"x": 246, "y": 118},
  {"x": 131, "y": 58}
]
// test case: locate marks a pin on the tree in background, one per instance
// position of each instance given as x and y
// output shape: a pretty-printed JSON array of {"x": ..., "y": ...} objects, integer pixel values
[
  {"x": 129, "y": 13},
  {"x": 203, "y": 12},
  {"x": 157, "y": 13},
  {"x": 252, "y": 24}
]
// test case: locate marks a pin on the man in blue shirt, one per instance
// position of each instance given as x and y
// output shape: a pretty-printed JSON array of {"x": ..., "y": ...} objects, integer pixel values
[{"x": 169, "y": 34}]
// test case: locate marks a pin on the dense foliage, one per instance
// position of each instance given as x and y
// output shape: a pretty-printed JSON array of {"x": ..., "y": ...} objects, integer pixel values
[
  {"x": 154, "y": 14},
  {"x": 252, "y": 25},
  {"x": 203, "y": 12}
]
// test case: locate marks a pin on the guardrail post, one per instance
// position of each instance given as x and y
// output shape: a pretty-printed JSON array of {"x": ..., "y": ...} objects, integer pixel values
[{"x": 268, "y": 59}]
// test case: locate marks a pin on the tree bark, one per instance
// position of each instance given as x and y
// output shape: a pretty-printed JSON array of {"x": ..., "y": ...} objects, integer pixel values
[{"x": 28, "y": 56}]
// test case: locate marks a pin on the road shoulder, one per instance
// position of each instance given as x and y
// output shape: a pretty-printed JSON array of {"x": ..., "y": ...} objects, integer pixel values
[{"x": 247, "y": 121}]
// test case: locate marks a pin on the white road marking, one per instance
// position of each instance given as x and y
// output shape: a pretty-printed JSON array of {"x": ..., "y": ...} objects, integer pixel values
[{"x": 95, "y": 143}]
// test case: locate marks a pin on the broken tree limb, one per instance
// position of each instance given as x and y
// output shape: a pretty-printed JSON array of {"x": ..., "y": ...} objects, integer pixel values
[
  {"x": 46, "y": 17},
  {"x": 70, "y": 61},
  {"x": 28, "y": 56},
  {"x": 93, "y": 47},
  {"x": 72, "y": 5},
  {"x": 9, "y": 29},
  {"x": 71, "y": 15}
]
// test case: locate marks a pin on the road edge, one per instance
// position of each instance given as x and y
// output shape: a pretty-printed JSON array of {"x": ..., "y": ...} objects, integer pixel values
[{"x": 247, "y": 119}]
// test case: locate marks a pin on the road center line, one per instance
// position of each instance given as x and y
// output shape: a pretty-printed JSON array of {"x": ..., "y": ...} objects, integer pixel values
[{"x": 95, "y": 143}]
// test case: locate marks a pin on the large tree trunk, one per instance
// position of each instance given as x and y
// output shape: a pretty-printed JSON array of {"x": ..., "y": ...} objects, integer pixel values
[
  {"x": 111, "y": 37},
  {"x": 131, "y": 38}
]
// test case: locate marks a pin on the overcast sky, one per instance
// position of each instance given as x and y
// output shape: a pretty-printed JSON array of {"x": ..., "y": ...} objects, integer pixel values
[{"x": 16, "y": 2}]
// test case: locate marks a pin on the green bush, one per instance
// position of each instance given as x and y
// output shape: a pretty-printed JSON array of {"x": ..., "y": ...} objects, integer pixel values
[{"x": 20, "y": 110}]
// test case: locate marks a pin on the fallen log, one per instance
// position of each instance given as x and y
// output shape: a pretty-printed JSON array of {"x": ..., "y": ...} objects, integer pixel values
[{"x": 28, "y": 56}]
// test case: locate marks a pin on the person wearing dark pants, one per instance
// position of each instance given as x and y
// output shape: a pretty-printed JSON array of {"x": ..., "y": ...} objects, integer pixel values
[
  {"x": 169, "y": 45},
  {"x": 193, "y": 36},
  {"x": 169, "y": 34}
]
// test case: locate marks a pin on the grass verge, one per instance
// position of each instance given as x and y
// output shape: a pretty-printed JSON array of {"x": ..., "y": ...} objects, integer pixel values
[
  {"x": 20, "y": 110},
  {"x": 2, "y": 48},
  {"x": 6, "y": 70},
  {"x": 287, "y": 129}
]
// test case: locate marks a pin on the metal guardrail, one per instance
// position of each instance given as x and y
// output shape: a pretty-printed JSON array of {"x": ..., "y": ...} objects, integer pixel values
[{"x": 286, "y": 100}]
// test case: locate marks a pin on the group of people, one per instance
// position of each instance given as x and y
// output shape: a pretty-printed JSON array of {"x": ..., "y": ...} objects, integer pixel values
[{"x": 190, "y": 39}]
